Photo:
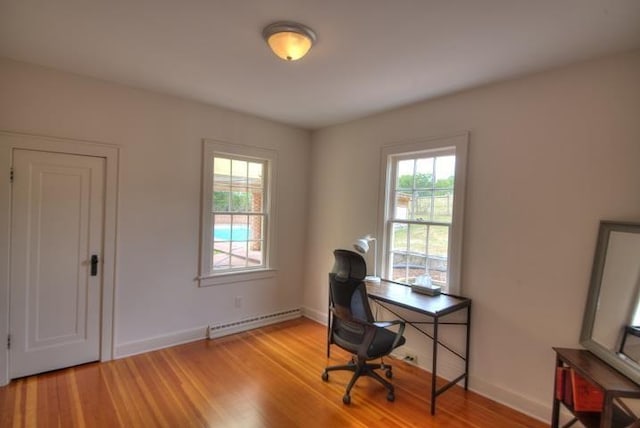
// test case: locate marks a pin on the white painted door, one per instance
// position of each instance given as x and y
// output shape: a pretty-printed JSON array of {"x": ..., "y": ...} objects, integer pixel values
[{"x": 56, "y": 227}]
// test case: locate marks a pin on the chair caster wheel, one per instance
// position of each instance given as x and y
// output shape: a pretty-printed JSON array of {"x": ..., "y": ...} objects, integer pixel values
[
  {"x": 388, "y": 374},
  {"x": 346, "y": 399},
  {"x": 391, "y": 396},
  {"x": 325, "y": 376}
]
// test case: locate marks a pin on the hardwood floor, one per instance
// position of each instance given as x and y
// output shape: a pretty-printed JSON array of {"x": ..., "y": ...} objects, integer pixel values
[{"x": 263, "y": 378}]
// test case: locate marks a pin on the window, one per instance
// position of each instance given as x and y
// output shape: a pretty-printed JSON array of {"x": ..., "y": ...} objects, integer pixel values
[
  {"x": 424, "y": 195},
  {"x": 237, "y": 215}
]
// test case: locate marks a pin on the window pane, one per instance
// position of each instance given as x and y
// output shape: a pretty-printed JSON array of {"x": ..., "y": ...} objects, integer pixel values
[
  {"x": 399, "y": 237},
  {"x": 423, "y": 205},
  {"x": 238, "y": 254},
  {"x": 221, "y": 197},
  {"x": 240, "y": 228},
  {"x": 445, "y": 173},
  {"x": 399, "y": 267},
  {"x": 403, "y": 202},
  {"x": 405, "y": 174},
  {"x": 239, "y": 174},
  {"x": 240, "y": 201},
  {"x": 221, "y": 255},
  {"x": 445, "y": 168},
  {"x": 221, "y": 184},
  {"x": 256, "y": 227},
  {"x": 221, "y": 169},
  {"x": 443, "y": 206},
  {"x": 256, "y": 175},
  {"x": 438, "y": 253},
  {"x": 424, "y": 173},
  {"x": 416, "y": 265},
  {"x": 221, "y": 227},
  {"x": 418, "y": 238},
  {"x": 238, "y": 241},
  {"x": 256, "y": 204},
  {"x": 256, "y": 255},
  {"x": 439, "y": 241}
]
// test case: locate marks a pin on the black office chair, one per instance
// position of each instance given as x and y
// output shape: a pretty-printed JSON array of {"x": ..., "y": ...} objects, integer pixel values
[{"x": 352, "y": 326}]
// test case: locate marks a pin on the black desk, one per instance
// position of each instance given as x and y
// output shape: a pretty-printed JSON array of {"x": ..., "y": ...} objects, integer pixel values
[{"x": 389, "y": 295}]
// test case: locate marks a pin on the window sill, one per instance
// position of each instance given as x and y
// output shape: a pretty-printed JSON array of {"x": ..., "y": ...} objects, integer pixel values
[{"x": 232, "y": 277}]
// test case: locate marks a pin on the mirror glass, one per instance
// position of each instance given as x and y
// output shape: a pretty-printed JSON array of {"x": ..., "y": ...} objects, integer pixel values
[{"x": 611, "y": 326}]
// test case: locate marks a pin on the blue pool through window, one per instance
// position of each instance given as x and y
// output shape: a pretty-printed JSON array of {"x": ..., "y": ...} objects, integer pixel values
[{"x": 224, "y": 232}]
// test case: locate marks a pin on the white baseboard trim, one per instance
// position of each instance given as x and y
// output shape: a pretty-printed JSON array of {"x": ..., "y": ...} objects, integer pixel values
[
  {"x": 226, "y": 328},
  {"x": 535, "y": 409},
  {"x": 315, "y": 315},
  {"x": 190, "y": 335},
  {"x": 158, "y": 342}
]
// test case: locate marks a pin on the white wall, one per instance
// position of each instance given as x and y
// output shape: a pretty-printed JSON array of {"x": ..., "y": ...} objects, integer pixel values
[
  {"x": 157, "y": 300},
  {"x": 550, "y": 155}
]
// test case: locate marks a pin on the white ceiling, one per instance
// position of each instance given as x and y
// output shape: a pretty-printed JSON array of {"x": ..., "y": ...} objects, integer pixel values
[{"x": 371, "y": 55}]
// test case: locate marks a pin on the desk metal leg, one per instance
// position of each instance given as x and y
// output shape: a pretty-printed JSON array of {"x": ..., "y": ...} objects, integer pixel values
[
  {"x": 329, "y": 333},
  {"x": 434, "y": 370},
  {"x": 466, "y": 361},
  {"x": 555, "y": 412}
]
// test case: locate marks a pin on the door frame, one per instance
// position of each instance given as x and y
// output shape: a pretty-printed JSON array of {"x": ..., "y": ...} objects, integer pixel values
[{"x": 111, "y": 153}]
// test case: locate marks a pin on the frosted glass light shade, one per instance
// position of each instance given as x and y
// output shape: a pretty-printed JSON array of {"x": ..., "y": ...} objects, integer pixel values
[{"x": 289, "y": 41}]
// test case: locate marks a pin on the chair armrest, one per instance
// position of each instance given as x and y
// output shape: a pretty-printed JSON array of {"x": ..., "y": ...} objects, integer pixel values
[
  {"x": 368, "y": 327},
  {"x": 386, "y": 324},
  {"x": 370, "y": 330},
  {"x": 399, "y": 333}
]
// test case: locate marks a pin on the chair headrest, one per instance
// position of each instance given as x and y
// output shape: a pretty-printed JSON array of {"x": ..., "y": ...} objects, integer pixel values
[{"x": 349, "y": 265}]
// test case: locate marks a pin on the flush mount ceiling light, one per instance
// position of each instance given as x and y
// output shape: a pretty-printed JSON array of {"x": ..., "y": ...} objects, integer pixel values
[{"x": 289, "y": 40}]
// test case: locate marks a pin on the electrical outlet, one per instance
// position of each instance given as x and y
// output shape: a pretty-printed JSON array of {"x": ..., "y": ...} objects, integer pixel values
[
  {"x": 237, "y": 302},
  {"x": 411, "y": 358}
]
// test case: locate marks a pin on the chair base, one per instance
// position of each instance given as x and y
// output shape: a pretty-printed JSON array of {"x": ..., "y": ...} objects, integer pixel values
[{"x": 362, "y": 368}]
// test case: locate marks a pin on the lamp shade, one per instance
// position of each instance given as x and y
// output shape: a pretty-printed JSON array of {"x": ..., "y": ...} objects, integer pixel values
[
  {"x": 288, "y": 40},
  {"x": 361, "y": 245}
]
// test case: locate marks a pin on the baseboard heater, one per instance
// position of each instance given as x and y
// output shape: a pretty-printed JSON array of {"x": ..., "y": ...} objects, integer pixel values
[{"x": 225, "y": 329}]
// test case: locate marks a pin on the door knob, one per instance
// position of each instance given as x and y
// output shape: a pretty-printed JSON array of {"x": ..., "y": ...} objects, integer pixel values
[{"x": 94, "y": 265}]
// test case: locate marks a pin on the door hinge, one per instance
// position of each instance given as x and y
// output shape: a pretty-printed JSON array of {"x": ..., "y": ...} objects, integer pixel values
[
  {"x": 11, "y": 175},
  {"x": 8, "y": 341}
]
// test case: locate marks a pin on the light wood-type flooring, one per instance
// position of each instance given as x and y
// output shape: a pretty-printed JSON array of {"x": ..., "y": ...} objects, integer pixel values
[{"x": 269, "y": 377}]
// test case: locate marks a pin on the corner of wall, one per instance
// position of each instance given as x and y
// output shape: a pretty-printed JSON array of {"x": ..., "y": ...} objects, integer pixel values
[{"x": 315, "y": 315}]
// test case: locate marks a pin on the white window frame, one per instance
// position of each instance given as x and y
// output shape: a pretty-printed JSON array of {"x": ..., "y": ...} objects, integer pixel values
[
  {"x": 207, "y": 276},
  {"x": 438, "y": 146}
]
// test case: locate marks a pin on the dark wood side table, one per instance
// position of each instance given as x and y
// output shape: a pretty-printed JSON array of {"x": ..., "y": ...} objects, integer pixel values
[{"x": 613, "y": 384}]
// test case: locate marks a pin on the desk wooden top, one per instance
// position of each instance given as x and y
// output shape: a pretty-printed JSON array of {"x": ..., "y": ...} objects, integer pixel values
[
  {"x": 599, "y": 372},
  {"x": 402, "y": 296}
]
